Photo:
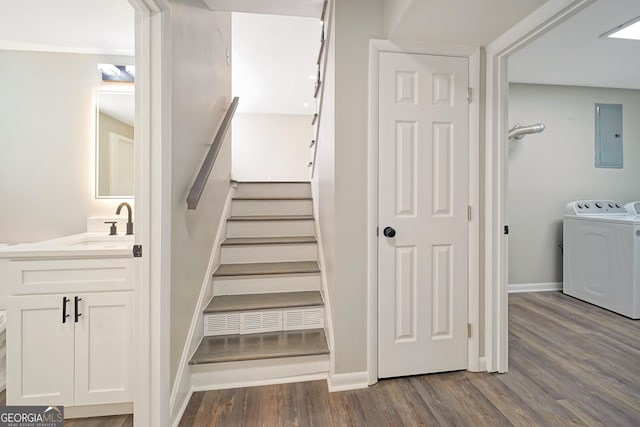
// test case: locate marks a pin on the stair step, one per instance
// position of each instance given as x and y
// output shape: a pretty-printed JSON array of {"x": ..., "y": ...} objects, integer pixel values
[
  {"x": 229, "y": 303},
  {"x": 271, "y": 206},
  {"x": 246, "y": 241},
  {"x": 273, "y": 189},
  {"x": 269, "y": 345},
  {"x": 271, "y": 218},
  {"x": 238, "y": 285},
  {"x": 271, "y": 226},
  {"x": 272, "y": 198},
  {"x": 267, "y": 268},
  {"x": 263, "y": 250}
]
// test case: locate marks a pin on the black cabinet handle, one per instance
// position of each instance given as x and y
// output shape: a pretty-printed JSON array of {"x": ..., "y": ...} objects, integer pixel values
[
  {"x": 77, "y": 314},
  {"x": 65, "y": 300}
]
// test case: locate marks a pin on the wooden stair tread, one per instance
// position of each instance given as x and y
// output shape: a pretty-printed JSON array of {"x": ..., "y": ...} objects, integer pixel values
[
  {"x": 269, "y": 345},
  {"x": 251, "y": 269},
  {"x": 242, "y": 241},
  {"x": 229, "y": 303},
  {"x": 272, "y": 218}
]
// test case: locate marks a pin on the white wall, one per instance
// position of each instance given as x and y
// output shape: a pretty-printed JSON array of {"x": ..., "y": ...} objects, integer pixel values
[
  {"x": 200, "y": 94},
  {"x": 271, "y": 147},
  {"x": 356, "y": 22},
  {"x": 46, "y": 144},
  {"x": 551, "y": 169}
]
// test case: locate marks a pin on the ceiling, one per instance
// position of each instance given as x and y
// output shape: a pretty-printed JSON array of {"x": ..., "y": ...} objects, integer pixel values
[
  {"x": 306, "y": 8},
  {"x": 84, "y": 26},
  {"x": 569, "y": 54},
  {"x": 272, "y": 69},
  {"x": 575, "y": 54},
  {"x": 461, "y": 22}
]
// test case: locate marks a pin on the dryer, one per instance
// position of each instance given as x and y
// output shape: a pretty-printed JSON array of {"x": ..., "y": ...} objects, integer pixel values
[{"x": 601, "y": 255}]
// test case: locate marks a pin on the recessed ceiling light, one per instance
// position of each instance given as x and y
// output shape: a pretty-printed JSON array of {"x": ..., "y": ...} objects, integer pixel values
[
  {"x": 306, "y": 104},
  {"x": 312, "y": 77},
  {"x": 629, "y": 30}
]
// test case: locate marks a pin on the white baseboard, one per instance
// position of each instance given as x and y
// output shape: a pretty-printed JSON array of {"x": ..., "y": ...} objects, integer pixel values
[
  {"x": 97, "y": 410},
  {"x": 350, "y": 381},
  {"x": 534, "y": 287},
  {"x": 219, "y": 376}
]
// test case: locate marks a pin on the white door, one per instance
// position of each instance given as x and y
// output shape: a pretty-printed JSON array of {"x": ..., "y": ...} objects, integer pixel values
[{"x": 423, "y": 196}]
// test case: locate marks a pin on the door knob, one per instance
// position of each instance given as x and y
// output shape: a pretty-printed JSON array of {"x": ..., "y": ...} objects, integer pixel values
[{"x": 389, "y": 232}]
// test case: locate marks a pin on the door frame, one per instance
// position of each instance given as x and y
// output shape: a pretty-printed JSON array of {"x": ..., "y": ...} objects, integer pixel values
[
  {"x": 548, "y": 16},
  {"x": 152, "y": 210},
  {"x": 475, "y": 362}
]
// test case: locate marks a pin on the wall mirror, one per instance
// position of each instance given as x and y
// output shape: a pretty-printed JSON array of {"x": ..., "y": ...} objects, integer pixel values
[{"x": 115, "y": 111}]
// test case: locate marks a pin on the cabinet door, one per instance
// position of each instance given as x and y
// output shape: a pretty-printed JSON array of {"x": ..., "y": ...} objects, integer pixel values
[
  {"x": 40, "y": 351},
  {"x": 104, "y": 348}
]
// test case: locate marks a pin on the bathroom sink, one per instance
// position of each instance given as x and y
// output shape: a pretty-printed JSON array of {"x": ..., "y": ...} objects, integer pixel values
[{"x": 84, "y": 244}]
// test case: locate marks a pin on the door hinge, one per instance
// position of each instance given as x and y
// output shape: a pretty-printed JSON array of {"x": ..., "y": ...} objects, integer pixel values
[
  {"x": 469, "y": 95},
  {"x": 468, "y": 330},
  {"x": 469, "y": 213},
  {"x": 506, "y": 229},
  {"x": 137, "y": 251}
]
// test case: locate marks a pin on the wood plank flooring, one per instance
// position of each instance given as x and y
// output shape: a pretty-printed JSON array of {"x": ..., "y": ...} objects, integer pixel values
[
  {"x": 571, "y": 364},
  {"x": 113, "y": 421}
]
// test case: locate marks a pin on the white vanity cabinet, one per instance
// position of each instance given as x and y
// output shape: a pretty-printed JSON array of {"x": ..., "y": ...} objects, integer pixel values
[
  {"x": 70, "y": 334},
  {"x": 87, "y": 361}
]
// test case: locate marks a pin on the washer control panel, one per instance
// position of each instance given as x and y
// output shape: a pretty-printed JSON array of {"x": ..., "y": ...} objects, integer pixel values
[{"x": 595, "y": 207}]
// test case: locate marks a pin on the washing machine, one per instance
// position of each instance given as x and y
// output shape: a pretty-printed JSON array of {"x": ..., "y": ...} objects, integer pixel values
[
  {"x": 601, "y": 255},
  {"x": 633, "y": 208}
]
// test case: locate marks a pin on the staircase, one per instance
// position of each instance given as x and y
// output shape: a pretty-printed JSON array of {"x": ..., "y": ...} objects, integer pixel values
[{"x": 265, "y": 321}]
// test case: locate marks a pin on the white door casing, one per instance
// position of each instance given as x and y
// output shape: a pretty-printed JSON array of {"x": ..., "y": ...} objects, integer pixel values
[
  {"x": 423, "y": 195},
  {"x": 543, "y": 19}
]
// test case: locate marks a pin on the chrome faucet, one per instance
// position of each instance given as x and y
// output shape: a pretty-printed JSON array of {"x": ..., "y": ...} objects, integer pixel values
[{"x": 129, "y": 221}]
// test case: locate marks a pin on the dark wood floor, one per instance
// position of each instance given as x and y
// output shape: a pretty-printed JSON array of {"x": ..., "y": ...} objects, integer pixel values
[
  {"x": 113, "y": 421},
  {"x": 571, "y": 363}
]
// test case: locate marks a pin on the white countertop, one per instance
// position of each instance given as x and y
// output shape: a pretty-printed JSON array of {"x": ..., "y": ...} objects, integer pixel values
[{"x": 87, "y": 245}]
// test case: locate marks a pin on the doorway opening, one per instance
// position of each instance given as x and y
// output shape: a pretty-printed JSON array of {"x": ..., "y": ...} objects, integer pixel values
[{"x": 542, "y": 21}]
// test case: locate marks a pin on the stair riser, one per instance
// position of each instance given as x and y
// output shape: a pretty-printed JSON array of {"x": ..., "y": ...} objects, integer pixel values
[
  {"x": 270, "y": 228},
  {"x": 269, "y": 253},
  {"x": 239, "y": 285},
  {"x": 218, "y": 376},
  {"x": 271, "y": 207},
  {"x": 259, "y": 321},
  {"x": 273, "y": 190}
]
